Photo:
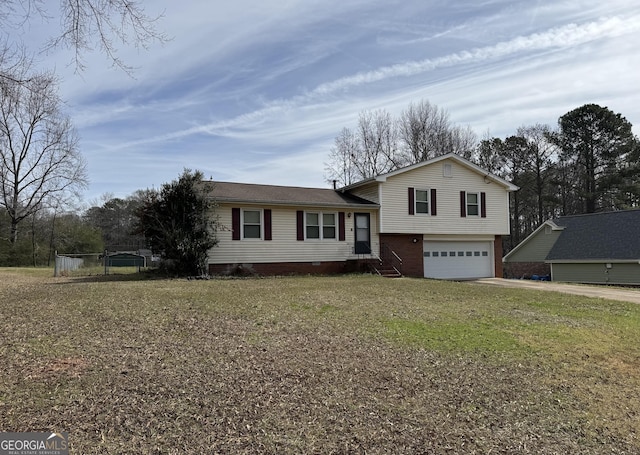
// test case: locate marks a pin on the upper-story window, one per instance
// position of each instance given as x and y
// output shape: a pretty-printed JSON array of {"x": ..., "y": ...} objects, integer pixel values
[
  {"x": 422, "y": 201},
  {"x": 251, "y": 224},
  {"x": 473, "y": 204},
  {"x": 319, "y": 225}
]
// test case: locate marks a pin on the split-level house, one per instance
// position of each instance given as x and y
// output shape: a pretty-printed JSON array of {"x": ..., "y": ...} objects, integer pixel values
[{"x": 442, "y": 218}]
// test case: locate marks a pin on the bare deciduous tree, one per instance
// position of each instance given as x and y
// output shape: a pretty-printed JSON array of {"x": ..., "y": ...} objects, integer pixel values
[
  {"x": 427, "y": 132},
  {"x": 421, "y": 126},
  {"x": 340, "y": 167},
  {"x": 379, "y": 145},
  {"x": 39, "y": 157},
  {"x": 85, "y": 25}
]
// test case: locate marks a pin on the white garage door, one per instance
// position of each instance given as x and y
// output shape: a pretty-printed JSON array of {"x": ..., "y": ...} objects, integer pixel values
[{"x": 458, "y": 260}]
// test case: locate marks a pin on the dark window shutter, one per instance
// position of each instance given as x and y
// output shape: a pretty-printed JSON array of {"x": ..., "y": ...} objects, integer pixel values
[
  {"x": 463, "y": 204},
  {"x": 434, "y": 210},
  {"x": 341, "y": 227},
  {"x": 412, "y": 202},
  {"x": 300, "y": 225},
  {"x": 267, "y": 224},
  {"x": 235, "y": 223},
  {"x": 483, "y": 205}
]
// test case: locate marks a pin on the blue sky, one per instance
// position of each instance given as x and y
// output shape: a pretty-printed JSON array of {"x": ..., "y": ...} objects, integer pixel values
[{"x": 256, "y": 91}]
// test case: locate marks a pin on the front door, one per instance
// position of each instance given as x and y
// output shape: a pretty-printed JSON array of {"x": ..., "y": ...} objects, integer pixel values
[{"x": 363, "y": 233}]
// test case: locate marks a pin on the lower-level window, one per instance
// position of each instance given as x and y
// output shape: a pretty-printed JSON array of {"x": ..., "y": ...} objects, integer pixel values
[
  {"x": 251, "y": 224},
  {"x": 319, "y": 225}
]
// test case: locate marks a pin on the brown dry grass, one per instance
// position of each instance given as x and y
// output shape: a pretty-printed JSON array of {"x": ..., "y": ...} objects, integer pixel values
[{"x": 339, "y": 365}]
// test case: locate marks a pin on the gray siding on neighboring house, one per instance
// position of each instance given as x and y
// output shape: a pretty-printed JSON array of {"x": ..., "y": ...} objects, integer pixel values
[
  {"x": 597, "y": 273},
  {"x": 536, "y": 248}
]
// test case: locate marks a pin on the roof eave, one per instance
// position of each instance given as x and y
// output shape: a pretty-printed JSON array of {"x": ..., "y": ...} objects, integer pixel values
[{"x": 295, "y": 204}]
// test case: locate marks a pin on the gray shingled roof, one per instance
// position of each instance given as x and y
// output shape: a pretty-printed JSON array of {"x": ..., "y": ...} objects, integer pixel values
[
  {"x": 285, "y": 195},
  {"x": 609, "y": 235}
]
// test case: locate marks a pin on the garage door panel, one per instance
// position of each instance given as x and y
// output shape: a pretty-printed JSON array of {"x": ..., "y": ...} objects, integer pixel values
[{"x": 458, "y": 260}]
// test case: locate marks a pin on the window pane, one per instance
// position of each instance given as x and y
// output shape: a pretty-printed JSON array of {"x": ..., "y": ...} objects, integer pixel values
[
  {"x": 251, "y": 217},
  {"x": 329, "y": 232},
  {"x": 313, "y": 232},
  {"x": 312, "y": 219},
  {"x": 472, "y": 204},
  {"x": 362, "y": 222},
  {"x": 251, "y": 231},
  {"x": 422, "y": 201},
  {"x": 251, "y": 224},
  {"x": 329, "y": 219}
]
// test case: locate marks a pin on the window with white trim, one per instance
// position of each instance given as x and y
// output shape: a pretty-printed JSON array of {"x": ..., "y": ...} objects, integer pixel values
[
  {"x": 320, "y": 225},
  {"x": 251, "y": 224},
  {"x": 473, "y": 204},
  {"x": 422, "y": 201},
  {"x": 328, "y": 225}
]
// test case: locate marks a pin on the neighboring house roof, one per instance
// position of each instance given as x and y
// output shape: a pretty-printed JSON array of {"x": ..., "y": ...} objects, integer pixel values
[
  {"x": 607, "y": 235},
  {"x": 468, "y": 164},
  {"x": 285, "y": 195}
]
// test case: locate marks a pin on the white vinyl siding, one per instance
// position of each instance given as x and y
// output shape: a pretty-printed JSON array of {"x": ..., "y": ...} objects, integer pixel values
[
  {"x": 284, "y": 246},
  {"x": 393, "y": 204}
]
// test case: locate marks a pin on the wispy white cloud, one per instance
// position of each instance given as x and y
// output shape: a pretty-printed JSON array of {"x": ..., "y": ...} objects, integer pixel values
[
  {"x": 255, "y": 90},
  {"x": 260, "y": 122}
]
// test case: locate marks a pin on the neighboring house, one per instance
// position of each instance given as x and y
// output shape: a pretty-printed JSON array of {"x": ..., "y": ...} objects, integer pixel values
[
  {"x": 599, "y": 248},
  {"x": 441, "y": 218}
]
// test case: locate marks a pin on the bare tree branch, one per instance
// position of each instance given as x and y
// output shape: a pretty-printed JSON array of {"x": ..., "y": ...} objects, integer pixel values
[
  {"x": 85, "y": 26},
  {"x": 39, "y": 156}
]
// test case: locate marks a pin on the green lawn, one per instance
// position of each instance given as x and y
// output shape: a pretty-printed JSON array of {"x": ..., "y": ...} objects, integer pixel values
[{"x": 350, "y": 364}]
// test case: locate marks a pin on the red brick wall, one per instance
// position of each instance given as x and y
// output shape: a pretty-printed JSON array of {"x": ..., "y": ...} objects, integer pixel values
[
  {"x": 497, "y": 256},
  {"x": 408, "y": 250},
  {"x": 526, "y": 269},
  {"x": 290, "y": 268}
]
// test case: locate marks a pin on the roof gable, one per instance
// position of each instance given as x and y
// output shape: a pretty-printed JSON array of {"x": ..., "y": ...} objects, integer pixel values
[
  {"x": 530, "y": 238},
  {"x": 449, "y": 156}
]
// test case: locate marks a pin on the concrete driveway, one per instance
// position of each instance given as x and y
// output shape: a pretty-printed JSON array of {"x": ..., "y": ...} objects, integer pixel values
[{"x": 605, "y": 292}]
